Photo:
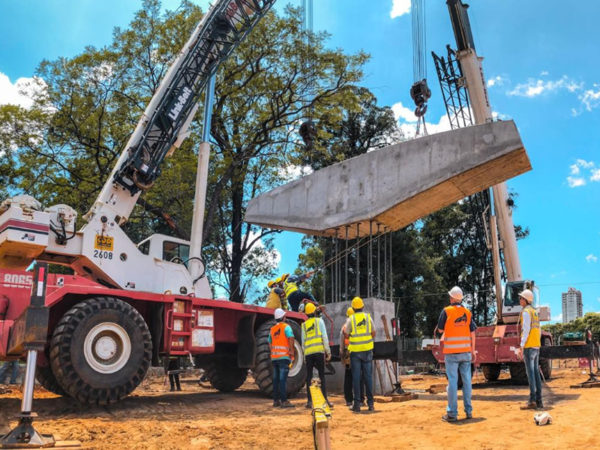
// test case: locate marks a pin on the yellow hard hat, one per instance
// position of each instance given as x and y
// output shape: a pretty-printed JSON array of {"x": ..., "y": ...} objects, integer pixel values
[
  {"x": 357, "y": 303},
  {"x": 349, "y": 312},
  {"x": 270, "y": 283},
  {"x": 310, "y": 308},
  {"x": 278, "y": 280},
  {"x": 285, "y": 276}
]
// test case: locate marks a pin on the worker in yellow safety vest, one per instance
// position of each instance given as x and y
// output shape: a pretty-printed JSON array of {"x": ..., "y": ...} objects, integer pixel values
[
  {"x": 276, "y": 297},
  {"x": 529, "y": 350},
  {"x": 281, "y": 344},
  {"x": 293, "y": 293},
  {"x": 315, "y": 344},
  {"x": 360, "y": 332},
  {"x": 345, "y": 357},
  {"x": 459, "y": 329}
]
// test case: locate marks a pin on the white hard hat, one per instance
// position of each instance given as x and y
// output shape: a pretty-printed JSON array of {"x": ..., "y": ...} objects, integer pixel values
[
  {"x": 456, "y": 293},
  {"x": 527, "y": 295},
  {"x": 279, "y": 313},
  {"x": 542, "y": 419}
]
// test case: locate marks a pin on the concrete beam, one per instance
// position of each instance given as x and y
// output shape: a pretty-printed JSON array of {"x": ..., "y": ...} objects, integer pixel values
[{"x": 394, "y": 186}]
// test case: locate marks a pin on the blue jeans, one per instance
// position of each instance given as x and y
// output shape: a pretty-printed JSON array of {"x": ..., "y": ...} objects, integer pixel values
[
  {"x": 361, "y": 364},
  {"x": 281, "y": 368},
  {"x": 458, "y": 362},
  {"x": 15, "y": 371},
  {"x": 531, "y": 357}
]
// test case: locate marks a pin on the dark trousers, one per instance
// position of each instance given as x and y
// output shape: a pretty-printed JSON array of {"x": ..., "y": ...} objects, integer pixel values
[
  {"x": 14, "y": 374},
  {"x": 281, "y": 368},
  {"x": 174, "y": 377},
  {"x": 348, "y": 389},
  {"x": 296, "y": 298},
  {"x": 531, "y": 357},
  {"x": 315, "y": 361},
  {"x": 362, "y": 371}
]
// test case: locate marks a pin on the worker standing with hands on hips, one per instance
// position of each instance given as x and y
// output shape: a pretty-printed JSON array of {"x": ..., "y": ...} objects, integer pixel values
[
  {"x": 281, "y": 343},
  {"x": 315, "y": 345},
  {"x": 293, "y": 294},
  {"x": 459, "y": 329},
  {"x": 360, "y": 332},
  {"x": 529, "y": 350}
]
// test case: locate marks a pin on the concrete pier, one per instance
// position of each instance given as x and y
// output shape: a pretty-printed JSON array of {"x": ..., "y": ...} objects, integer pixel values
[{"x": 394, "y": 186}]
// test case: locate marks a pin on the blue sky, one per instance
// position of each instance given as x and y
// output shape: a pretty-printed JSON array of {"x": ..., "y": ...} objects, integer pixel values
[{"x": 542, "y": 59}]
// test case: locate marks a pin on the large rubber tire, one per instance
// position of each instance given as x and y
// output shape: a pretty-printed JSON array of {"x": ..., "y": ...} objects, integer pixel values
[
  {"x": 224, "y": 374},
  {"x": 263, "y": 370},
  {"x": 491, "y": 372},
  {"x": 518, "y": 373},
  {"x": 46, "y": 378},
  {"x": 546, "y": 364},
  {"x": 72, "y": 347}
]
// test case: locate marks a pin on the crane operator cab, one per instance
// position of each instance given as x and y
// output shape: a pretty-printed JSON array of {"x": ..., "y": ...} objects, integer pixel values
[
  {"x": 166, "y": 248},
  {"x": 511, "y": 307}
]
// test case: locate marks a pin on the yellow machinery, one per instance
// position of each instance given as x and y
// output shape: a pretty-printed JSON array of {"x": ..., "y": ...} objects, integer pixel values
[{"x": 321, "y": 418}]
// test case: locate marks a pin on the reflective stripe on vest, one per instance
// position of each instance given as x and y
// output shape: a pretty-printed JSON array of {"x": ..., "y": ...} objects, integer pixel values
[
  {"x": 313, "y": 339},
  {"x": 279, "y": 342},
  {"x": 290, "y": 288},
  {"x": 535, "y": 334},
  {"x": 360, "y": 333},
  {"x": 457, "y": 332}
]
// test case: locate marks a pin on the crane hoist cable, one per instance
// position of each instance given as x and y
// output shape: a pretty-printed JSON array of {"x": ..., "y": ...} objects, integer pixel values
[
  {"x": 419, "y": 92},
  {"x": 308, "y": 131}
]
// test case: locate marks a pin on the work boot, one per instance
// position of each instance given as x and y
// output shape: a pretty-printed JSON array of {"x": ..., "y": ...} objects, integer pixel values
[
  {"x": 469, "y": 416},
  {"x": 448, "y": 418},
  {"x": 539, "y": 405},
  {"x": 356, "y": 408},
  {"x": 329, "y": 404},
  {"x": 276, "y": 403},
  {"x": 309, "y": 405},
  {"x": 349, "y": 404},
  {"x": 529, "y": 405},
  {"x": 287, "y": 404},
  {"x": 371, "y": 408}
]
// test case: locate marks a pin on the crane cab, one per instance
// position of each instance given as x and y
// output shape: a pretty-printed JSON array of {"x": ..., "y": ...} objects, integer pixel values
[
  {"x": 166, "y": 248},
  {"x": 511, "y": 307}
]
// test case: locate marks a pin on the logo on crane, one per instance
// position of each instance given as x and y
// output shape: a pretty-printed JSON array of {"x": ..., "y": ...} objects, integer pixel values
[{"x": 181, "y": 101}]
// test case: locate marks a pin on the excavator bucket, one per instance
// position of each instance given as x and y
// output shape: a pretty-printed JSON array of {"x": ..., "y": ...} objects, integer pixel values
[{"x": 396, "y": 185}]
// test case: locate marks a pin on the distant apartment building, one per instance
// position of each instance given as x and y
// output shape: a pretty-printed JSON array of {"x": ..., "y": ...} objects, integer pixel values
[{"x": 572, "y": 305}]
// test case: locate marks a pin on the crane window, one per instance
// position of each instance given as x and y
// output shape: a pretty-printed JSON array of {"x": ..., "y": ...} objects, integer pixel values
[{"x": 175, "y": 252}]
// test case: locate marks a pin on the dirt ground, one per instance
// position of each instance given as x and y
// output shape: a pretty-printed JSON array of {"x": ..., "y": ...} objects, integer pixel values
[{"x": 201, "y": 418}]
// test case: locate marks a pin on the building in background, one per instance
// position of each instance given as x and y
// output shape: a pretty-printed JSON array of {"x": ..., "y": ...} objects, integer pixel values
[{"x": 572, "y": 305}]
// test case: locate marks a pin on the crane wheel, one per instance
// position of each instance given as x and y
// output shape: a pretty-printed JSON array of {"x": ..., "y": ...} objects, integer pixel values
[
  {"x": 263, "y": 370},
  {"x": 100, "y": 351},
  {"x": 224, "y": 374},
  {"x": 518, "y": 373},
  {"x": 491, "y": 372}
]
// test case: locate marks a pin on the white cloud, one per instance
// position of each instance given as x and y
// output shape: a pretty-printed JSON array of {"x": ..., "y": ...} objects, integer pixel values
[
  {"x": 575, "y": 169},
  {"x": 293, "y": 172},
  {"x": 557, "y": 318},
  {"x": 534, "y": 88},
  {"x": 496, "y": 81},
  {"x": 544, "y": 73},
  {"x": 591, "y": 258},
  {"x": 595, "y": 175},
  {"x": 404, "y": 113},
  {"x": 585, "y": 164},
  {"x": 12, "y": 94},
  {"x": 399, "y": 8},
  {"x": 575, "y": 181},
  {"x": 590, "y": 98}
]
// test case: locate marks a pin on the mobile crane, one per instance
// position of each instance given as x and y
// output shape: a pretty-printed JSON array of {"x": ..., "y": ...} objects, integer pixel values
[{"x": 127, "y": 305}]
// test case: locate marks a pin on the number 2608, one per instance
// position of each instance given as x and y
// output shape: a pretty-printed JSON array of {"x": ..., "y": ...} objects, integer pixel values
[{"x": 103, "y": 255}]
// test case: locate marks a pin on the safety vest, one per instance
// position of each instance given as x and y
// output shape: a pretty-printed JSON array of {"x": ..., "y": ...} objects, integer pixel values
[
  {"x": 280, "y": 347},
  {"x": 313, "y": 339},
  {"x": 535, "y": 335},
  {"x": 290, "y": 288},
  {"x": 360, "y": 333},
  {"x": 273, "y": 301},
  {"x": 457, "y": 332}
]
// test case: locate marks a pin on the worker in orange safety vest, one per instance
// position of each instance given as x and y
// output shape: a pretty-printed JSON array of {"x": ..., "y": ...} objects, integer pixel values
[
  {"x": 281, "y": 344},
  {"x": 456, "y": 323}
]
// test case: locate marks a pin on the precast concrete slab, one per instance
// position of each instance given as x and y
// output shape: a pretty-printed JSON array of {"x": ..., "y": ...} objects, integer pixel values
[{"x": 396, "y": 185}]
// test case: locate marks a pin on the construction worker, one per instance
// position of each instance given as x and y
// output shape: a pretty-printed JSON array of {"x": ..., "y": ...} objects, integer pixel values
[
  {"x": 174, "y": 369},
  {"x": 281, "y": 344},
  {"x": 529, "y": 350},
  {"x": 345, "y": 356},
  {"x": 14, "y": 374},
  {"x": 276, "y": 297},
  {"x": 293, "y": 294},
  {"x": 360, "y": 331},
  {"x": 315, "y": 345},
  {"x": 458, "y": 327}
]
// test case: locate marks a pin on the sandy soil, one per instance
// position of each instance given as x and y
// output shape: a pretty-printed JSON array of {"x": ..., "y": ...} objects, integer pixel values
[{"x": 201, "y": 418}]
